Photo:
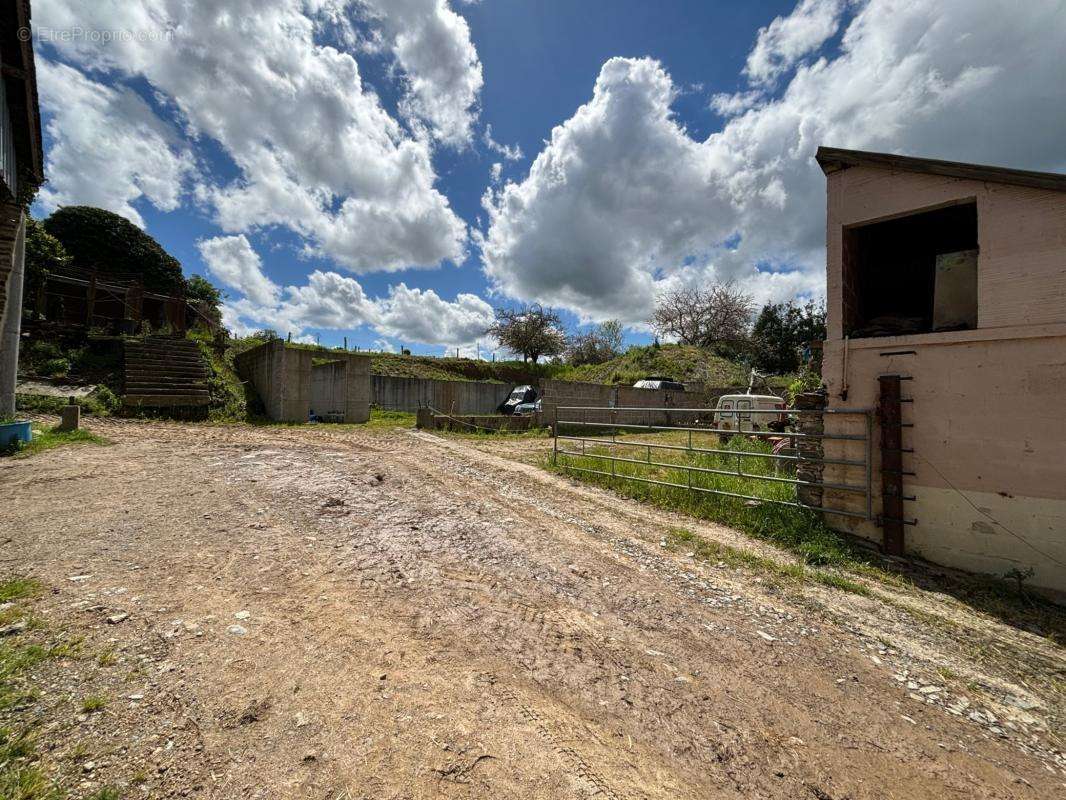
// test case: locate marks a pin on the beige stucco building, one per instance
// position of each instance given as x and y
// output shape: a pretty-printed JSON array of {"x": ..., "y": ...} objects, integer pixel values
[{"x": 953, "y": 276}]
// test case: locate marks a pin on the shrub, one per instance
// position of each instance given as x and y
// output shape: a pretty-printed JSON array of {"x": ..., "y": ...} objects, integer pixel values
[{"x": 54, "y": 367}]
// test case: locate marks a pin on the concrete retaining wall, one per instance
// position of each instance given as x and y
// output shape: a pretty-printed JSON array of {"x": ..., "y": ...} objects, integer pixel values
[
  {"x": 451, "y": 397},
  {"x": 470, "y": 423},
  {"x": 289, "y": 383},
  {"x": 573, "y": 393}
]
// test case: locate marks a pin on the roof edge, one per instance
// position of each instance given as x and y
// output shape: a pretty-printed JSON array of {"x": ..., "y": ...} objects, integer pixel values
[{"x": 833, "y": 159}]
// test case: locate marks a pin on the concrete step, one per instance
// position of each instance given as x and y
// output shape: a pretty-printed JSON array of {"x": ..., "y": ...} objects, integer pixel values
[
  {"x": 153, "y": 355},
  {"x": 182, "y": 375},
  {"x": 199, "y": 391},
  {"x": 165, "y": 369},
  {"x": 164, "y": 400},
  {"x": 167, "y": 346},
  {"x": 176, "y": 385}
]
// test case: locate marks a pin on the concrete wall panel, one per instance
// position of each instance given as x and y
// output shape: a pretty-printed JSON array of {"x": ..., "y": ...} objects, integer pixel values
[{"x": 452, "y": 397}]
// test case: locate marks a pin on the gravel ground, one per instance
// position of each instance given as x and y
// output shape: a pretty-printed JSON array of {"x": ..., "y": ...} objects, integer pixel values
[{"x": 343, "y": 613}]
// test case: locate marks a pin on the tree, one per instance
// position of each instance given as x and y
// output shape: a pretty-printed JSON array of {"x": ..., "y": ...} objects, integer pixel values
[
  {"x": 718, "y": 315},
  {"x": 205, "y": 298},
  {"x": 45, "y": 254},
  {"x": 532, "y": 331},
  {"x": 98, "y": 239},
  {"x": 601, "y": 344},
  {"x": 782, "y": 331}
]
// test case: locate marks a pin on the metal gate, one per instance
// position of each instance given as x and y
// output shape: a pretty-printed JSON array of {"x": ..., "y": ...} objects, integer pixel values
[{"x": 620, "y": 443}]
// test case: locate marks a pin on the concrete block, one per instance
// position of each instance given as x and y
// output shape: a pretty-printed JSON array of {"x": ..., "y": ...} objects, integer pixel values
[{"x": 69, "y": 418}]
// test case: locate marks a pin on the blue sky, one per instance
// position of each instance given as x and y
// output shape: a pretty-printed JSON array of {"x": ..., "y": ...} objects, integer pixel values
[{"x": 327, "y": 146}]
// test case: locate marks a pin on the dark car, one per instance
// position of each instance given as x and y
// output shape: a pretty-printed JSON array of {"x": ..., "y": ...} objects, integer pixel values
[{"x": 519, "y": 395}]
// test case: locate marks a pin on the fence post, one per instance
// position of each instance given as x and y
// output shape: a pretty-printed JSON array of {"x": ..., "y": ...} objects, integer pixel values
[{"x": 810, "y": 448}]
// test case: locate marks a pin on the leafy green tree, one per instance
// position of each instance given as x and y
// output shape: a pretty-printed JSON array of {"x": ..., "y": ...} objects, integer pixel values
[
  {"x": 45, "y": 254},
  {"x": 781, "y": 331},
  {"x": 205, "y": 297},
  {"x": 99, "y": 239}
]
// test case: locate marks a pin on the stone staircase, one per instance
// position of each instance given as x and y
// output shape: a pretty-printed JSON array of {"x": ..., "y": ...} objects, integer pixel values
[{"x": 160, "y": 373}]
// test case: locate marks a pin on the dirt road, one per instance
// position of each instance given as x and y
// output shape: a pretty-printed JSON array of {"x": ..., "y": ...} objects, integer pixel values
[{"x": 344, "y": 614}]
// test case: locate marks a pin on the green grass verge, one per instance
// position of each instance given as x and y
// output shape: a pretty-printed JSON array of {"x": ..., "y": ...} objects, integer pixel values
[
  {"x": 799, "y": 531},
  {"x": 49, "y": 438},
  {"x": 381, "y": 419},
  {"x": 102, "y": 402},
  {"x": 22, "y": 776},
  {"x": 679, "y": 539}
]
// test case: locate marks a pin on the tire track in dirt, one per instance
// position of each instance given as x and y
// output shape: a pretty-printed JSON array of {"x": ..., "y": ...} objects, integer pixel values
[{"x": 630, "y": 671}]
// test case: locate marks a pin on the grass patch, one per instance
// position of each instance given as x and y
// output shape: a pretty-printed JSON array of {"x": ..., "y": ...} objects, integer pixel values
[
  {"x": 482, "y": 433},
  {"x": 382, "y": 419},
  {"x": 101, "y": 402},
  {"x": 93, "y": 703},
  {"x": 709, "y": 550},
  {"x": 800, "y": 531},
  {"x": 50, "y": 438},
  {"x": 21, "y": 775},
  {"x": 18, "y": 588}
]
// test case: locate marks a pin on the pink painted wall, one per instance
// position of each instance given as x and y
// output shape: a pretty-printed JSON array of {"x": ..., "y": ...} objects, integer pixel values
[{"x": 989, "y": 408}]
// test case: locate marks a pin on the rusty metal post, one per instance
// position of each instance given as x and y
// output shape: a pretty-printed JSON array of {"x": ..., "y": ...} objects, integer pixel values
[{"x": 890, "y": 417}]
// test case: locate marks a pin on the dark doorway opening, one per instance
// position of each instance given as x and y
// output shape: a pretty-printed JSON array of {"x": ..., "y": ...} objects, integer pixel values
[{"x": 912, "y": 274}]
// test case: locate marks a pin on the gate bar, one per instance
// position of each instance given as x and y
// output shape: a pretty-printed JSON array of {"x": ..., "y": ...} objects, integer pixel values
[
  {"x": 846, "y": 462},
  {"x": 730, "y": 432},
  {"x": 844, "y": 487},
  {"x": 839, "y": 512}
]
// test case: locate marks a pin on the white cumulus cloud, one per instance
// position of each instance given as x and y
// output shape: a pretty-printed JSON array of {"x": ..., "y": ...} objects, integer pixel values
[
  {"x": 431, "y": 44},
  {"x": 331, "y": 301},
  {"x": 787, "y": 39},
  {"x": 233, "y": 262},
  {"x": 315, "y": 150},
  {"x": 623, "y": 202},
  {"x": 108, "y": 147}
]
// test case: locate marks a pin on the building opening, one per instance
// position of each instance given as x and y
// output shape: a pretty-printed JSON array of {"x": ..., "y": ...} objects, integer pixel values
[{"x": 912, "y": 274}]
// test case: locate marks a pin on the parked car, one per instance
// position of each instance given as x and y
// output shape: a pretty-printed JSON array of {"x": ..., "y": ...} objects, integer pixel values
[
  {"x": 519, "y": 395},
  {"x": 658, "y": 382},
  {"x": 733, "y": 412}
]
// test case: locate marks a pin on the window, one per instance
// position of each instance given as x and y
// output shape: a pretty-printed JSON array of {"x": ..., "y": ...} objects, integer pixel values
[
  {"x": 742, "y": 404},
  {"x": 912, "y": 274}
]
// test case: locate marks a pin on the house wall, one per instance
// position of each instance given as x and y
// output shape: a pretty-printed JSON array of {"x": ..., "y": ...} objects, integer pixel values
[{"x": 989, "y": 434}]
